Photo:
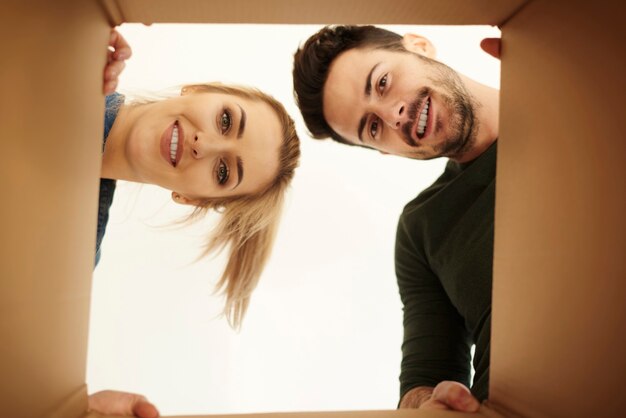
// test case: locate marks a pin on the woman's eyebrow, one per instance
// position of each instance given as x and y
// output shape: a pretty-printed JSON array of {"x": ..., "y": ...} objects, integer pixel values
[
  {"x": 242, "y": 122},
  {"x": 239, "y": 172}
]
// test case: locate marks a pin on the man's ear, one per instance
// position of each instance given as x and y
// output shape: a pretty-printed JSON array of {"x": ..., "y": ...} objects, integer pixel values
[
  {"x": 419, "y": 45},
  {"x": 184, "y": 200}
]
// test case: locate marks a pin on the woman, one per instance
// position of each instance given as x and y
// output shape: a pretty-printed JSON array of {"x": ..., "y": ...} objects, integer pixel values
[
  {"x": 226, "y": 148},
  {"x": 231, "y": 149}
]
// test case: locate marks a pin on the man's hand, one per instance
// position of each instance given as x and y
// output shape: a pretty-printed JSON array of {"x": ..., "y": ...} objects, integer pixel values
[
  {"x": 446, "y": 395},
  {"x": 118, "y": 52},
  {"x": 110, "y": 402},
  {"x": 491, "y": 46}
]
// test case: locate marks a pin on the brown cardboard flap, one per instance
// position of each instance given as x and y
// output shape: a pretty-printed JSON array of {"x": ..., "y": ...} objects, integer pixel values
[
  {"x": 51, "y": 118},
  {"x": 558, "y": 341},
  {"x": 449, "y": 12}
]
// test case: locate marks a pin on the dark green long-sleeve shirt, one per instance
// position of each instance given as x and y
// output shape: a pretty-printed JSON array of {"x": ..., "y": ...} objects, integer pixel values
[{"x": 444, "y": 260}]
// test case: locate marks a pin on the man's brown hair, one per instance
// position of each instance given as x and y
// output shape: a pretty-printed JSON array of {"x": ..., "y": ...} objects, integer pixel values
[{"x": 312, "y": 63}]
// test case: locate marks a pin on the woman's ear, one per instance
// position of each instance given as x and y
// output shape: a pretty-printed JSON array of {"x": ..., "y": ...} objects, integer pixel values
[
  {"x": 184, "y": 200},
  {"x": 189, "y": 89},
  {"x": 419, "y": 45}
]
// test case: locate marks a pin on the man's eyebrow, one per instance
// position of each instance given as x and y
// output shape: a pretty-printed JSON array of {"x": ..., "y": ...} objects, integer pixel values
[
  {"x": 239, "y": 172},
  {"x": 242, "y": 122},
  {"x": 361, "y": 126},
  {"x": 368, "y": 81},
  {"x": 368, "y": 92}
]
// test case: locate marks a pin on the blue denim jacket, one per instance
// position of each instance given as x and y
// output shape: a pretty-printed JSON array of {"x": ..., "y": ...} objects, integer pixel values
[{"x": 107, "y": 186}]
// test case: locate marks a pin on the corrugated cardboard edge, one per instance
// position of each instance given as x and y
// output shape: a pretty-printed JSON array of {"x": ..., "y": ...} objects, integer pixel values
[
  {"x": 77, "y": 401},
  {"x": 113, "y": 11},
  {"x": 484, "y": 412},
  {"x": 515, "y": 12},
  {"x": 442, "y": 12}
]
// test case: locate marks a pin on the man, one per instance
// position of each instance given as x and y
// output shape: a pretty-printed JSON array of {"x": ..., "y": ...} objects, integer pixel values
[{"x": 365, "y": 86}]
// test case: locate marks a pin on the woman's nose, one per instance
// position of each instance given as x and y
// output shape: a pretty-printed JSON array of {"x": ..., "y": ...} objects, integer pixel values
[{"x": 203, "y": 145}]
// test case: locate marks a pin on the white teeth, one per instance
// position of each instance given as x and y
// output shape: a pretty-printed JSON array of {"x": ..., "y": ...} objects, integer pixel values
[
  {"x": 421, "y": 126},
  {"x": 174, "y": 143}
]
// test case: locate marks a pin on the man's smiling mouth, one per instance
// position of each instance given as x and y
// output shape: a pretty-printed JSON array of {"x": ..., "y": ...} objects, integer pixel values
[
  {"x": 423, "y": 120},
  {"x": 417, "y": 126}
]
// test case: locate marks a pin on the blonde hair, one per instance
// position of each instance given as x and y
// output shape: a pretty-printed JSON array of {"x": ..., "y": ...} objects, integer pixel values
[{"x": 248, "y": 224}]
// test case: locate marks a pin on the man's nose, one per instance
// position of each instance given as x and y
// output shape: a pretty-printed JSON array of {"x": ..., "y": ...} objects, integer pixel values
[
  {"x": 205, "y": 144},
  {"x": 395, "y": 115}
]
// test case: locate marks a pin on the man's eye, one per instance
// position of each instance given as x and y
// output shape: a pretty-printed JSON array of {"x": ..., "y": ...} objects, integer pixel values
[
  {"x": 222, "y": 172},
  {"x": 374, "y": 128},
  {"x": 225, "y": 121},
  {"x": 382, "y": 83}
]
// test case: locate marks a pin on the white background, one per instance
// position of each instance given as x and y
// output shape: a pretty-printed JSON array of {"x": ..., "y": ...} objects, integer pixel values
[{"x": 324, "y": 328}]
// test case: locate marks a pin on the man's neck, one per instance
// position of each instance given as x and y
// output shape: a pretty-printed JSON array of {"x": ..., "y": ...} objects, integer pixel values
[{"x": 487, "y": 114}]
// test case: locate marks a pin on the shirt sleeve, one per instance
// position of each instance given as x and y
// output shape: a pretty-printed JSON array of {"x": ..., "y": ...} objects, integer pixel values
[{"x": 436, "y": 344}]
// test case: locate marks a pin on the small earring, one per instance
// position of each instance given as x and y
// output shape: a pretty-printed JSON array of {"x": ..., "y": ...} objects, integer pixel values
[{"x": 176, "y": 196}]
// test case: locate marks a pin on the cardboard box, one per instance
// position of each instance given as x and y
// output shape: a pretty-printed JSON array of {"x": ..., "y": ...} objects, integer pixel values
[{"x": 558, "y": 340}]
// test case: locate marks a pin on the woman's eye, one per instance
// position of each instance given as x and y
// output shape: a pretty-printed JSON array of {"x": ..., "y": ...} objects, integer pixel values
[
  {"x": 374, "y": 128},
  {"x": 225, "y": 121},
  {"x": 222, "y": 172},
  {"x": 382, "y": 83}
]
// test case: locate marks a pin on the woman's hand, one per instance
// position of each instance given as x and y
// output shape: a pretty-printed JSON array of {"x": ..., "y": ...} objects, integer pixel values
[
  {"x": 111, "y": 402},
  {"x": 119, "y": 51}
]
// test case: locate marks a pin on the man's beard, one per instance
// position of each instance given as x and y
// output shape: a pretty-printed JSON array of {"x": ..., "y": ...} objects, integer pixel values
[{"x": 461, "y": 107}]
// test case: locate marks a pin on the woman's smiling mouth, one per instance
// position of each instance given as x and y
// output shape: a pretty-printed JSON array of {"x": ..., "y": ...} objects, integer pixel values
[{"x": 172, "y": 144}]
